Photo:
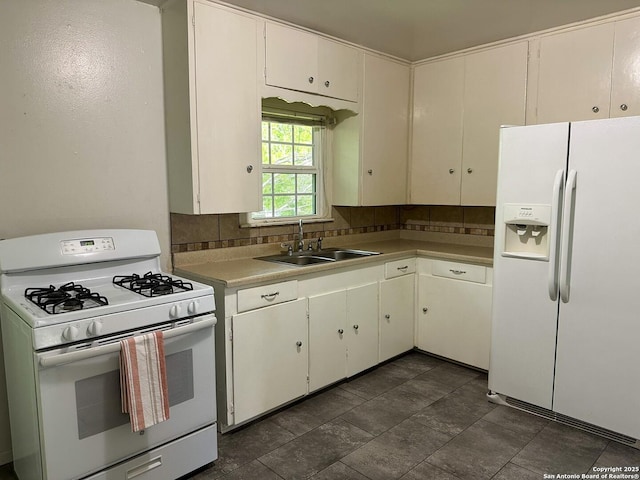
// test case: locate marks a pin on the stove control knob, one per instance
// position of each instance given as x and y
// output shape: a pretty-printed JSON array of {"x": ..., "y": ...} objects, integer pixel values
[
  {"x": 95, "y": 328},
  {"x": 70, "y": 333},
  {"x": 174, "y": 311},
  {"x": 192, "y": 308}
]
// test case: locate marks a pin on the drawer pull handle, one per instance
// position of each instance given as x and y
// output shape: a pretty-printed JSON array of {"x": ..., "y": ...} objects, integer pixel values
[
  {"x": 403, "y": 268},
  {"x": 457, "y": 272},
  {"x": 270, "y": 296}
]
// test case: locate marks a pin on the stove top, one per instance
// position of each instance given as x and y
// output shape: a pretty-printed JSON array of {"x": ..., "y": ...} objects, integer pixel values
[
  {"x": 63, "y": 299},
  {"x": 152, "y": 284}
]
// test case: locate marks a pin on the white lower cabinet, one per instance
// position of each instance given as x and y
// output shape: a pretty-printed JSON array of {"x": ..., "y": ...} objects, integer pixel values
[
  {"x": 362, "y": 328},
  {"x": 270, "y": 358},
  {"x": 278, "y": 342},
  {"x": 343, "y": 334},
  {"x": 454, "y": 314},
  {"x": 396, "y": 316},
  {"x": 328, "y": 345}
]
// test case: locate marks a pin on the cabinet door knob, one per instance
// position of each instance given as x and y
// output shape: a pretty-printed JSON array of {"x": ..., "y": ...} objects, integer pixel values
[
  {"x": 370, "y": 172},
  {"x": 310, "y": 79},
  {"x": 340, "y": 331},
  {"x": 387, "y": 316},
  {"x": 298, "y": 344},
  {"x": 355, "y": 327},
  {"x": 595, "y": 109},
  {"x": 451, "y": 170},
  {"x": 623, "y": 107},
  {"x": 249, "y": 168},
  {"x": 327, "y": 83},
  {"x": 425, "y": 309},
  {"x": 469, "y": 170}
]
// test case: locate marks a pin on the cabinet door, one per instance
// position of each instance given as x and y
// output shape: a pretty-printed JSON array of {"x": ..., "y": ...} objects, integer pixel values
[
  {"x": 291, "y": 58},
  {"x": 385, "y": 129},
  {"x": 227, "y": 110},
  {"x": 362, "y": 328},
  {"x": 436, "y": 151},
  {"x": 494, "y": 95},
  {"x": 396, "y": 316},
  {"x": 338, "y": 70},
  {"x": 454, "y": 319},
  {"x": 270, "y": 358},
  {"x": 625, "y": 91},
  {"x": 574, "y": 81},
  {"x": 327, "y": 346}
]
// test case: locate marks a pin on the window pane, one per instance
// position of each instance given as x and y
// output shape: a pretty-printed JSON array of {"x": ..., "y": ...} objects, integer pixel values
[
  {"x": 267, "y": 207},
  {"x": 306, "y": 204},
  {"x": 281, "y": 154},
  {"x": 265, "y": 153},
  {"x": 265, "y": 131},
  {"x": 285, "y": 205},
  {"x": 303, "y": 155},
  {"x": 267, "y": 183},
  {"x": 306, "y": 183},
  {"x": 303, "y": 134},
  {"x": 284, "y": 183},
  {"x": 281, "y": 132}
]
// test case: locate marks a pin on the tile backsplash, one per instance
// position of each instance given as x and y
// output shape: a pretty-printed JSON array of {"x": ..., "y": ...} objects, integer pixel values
[{"x": 202, "y": 232}]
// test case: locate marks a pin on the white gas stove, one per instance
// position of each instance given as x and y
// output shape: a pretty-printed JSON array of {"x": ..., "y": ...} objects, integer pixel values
[{"x": 67, "y": 299}]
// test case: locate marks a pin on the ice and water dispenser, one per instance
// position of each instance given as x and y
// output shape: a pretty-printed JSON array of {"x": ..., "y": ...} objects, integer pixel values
[{"x": 526, "y": 231}]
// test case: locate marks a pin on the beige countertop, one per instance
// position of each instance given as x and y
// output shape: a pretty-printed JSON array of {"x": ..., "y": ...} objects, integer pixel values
[{"x": 207, "y": 266}]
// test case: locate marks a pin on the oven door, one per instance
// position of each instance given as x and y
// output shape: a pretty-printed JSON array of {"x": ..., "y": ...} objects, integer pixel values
[{"x": 82, "y": 426}]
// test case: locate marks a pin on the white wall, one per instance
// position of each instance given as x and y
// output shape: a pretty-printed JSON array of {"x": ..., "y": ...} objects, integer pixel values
[{"x": 81, "y": 123}]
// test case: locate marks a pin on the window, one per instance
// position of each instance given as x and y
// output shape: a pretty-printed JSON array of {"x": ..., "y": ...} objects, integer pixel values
[{"x": 291, "y": 168}]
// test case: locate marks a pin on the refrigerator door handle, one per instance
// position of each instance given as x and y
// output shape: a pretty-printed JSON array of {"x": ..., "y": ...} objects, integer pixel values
[
  {"x": 567, "y": 225},
  {"x": 556, "y": 213}
]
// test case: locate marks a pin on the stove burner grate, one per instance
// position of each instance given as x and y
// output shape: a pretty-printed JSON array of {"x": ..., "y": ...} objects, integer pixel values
[
  {"x": 152, "y": 284},
  {"x": 66, "y": 298}
]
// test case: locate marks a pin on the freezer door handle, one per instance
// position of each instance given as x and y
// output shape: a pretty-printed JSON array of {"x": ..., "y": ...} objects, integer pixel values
[
  {"x": 556, "y": 214},
  {"x": 567, "y": 227}
]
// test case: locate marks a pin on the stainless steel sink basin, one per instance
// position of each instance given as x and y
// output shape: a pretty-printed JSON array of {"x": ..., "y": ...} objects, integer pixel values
[{"x": 327, "y": 255}]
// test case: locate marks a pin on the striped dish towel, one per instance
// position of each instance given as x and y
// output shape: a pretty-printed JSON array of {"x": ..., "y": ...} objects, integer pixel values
[{"x": 143, "y": 380}]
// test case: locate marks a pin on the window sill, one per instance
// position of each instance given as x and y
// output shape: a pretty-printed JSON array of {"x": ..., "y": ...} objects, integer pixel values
[{"x": 287, "y": 221}]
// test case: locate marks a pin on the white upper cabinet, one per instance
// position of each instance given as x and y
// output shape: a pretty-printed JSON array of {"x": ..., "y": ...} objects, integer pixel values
[
  {"x": 371, "y": 149},
  {"x": 302, "y": 61},
  {"x": 212, "y": 108},
  {"x": 625, "y": 91},
  {"x": 574, "y": 79},
  {"x": 589, "y": 73},
  {"x": 459, "y": 104},
  {"x": 494, "y": 95},
  {"x": 436, "y": 150}
]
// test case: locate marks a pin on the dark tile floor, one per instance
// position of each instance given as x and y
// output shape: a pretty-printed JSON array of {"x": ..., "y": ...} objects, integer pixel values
[{"x": 416, "y": 418}]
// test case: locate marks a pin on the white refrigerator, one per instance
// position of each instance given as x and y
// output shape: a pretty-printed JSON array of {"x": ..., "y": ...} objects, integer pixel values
[{"x": 566, "y": 303}]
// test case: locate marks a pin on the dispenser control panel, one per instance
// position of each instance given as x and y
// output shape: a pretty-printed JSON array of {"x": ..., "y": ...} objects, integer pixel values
[{"x": 526, "y": 231}]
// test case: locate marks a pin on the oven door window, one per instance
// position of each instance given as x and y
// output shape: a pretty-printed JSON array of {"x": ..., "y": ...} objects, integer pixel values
[{"x": 98, "y": 405}]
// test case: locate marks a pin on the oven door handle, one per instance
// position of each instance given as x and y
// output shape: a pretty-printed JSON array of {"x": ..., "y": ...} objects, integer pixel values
[{"x": 62, "y": 358}]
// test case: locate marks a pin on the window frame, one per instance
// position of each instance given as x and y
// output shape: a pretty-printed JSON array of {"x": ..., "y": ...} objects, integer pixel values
[{"x": 320, "y": 159}]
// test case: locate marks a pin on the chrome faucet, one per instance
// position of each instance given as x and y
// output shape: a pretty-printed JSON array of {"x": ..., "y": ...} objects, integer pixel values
[{"x": 300, "y": 240}]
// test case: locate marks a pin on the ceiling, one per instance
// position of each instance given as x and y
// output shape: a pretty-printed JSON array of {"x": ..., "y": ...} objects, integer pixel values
[{"x": 419, "y": 29}]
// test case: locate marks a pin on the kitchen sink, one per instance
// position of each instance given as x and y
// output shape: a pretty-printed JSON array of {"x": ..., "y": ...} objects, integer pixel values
[{"x": 327, "y": 255}]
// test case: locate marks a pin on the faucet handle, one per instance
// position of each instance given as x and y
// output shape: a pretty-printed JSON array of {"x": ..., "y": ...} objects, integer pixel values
[
  {"x": 288, "y": 246},
  {"x": 319, "y": 243}
]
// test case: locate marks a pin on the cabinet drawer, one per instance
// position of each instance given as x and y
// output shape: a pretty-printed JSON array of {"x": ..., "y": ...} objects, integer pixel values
[
  {"x": 460, "y": 271},
  {"x": 399, "y": 267},
  {"x": 256, "y": 297}
]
